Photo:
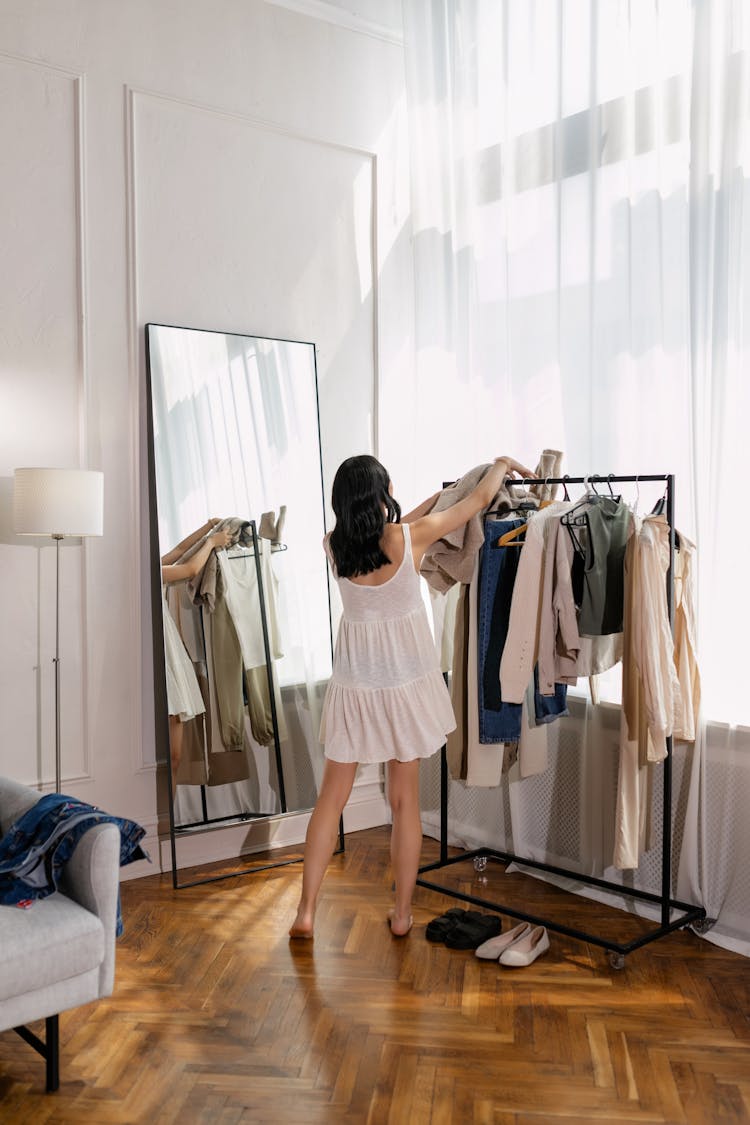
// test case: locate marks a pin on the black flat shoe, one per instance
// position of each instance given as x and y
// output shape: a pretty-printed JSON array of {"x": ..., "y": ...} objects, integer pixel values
[
  {"x": 439, "y": 928},
  {"x": 473, "y": 931}
]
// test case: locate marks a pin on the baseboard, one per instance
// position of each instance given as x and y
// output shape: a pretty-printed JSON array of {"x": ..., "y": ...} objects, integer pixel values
[{"x": 150, "y": 844}]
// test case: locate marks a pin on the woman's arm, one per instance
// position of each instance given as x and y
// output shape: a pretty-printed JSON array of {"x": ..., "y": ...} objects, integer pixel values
[
  {"x": 427, "y": 529},
  {"x": 178, "y": 551},
  {"x": 177, "y": 572}
]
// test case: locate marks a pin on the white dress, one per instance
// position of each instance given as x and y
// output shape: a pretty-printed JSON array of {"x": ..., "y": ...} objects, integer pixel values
[
  {"x": 183, "y": 694},
  {"x": 387, "y": 697}
]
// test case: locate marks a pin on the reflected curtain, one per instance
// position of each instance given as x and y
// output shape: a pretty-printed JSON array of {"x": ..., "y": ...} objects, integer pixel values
[{"x": 581, "y": 224}]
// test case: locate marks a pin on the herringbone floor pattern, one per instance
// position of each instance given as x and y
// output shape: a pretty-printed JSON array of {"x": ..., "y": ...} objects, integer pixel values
[{"x": 217, "y": 1018}]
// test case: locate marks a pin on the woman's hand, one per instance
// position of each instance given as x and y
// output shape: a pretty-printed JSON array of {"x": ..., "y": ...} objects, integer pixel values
[
  {"x": 220, "y": 539},
  {"x": 515, "y": 468}
]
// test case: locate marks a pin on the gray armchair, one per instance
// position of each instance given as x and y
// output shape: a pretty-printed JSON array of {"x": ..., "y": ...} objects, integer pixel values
[{"x": 61, "y": 951}]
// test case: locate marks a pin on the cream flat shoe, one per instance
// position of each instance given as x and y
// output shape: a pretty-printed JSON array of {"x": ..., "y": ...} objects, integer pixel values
[
  {"x": 491, "y": 949},
  {"x": 526, "y": 949}
]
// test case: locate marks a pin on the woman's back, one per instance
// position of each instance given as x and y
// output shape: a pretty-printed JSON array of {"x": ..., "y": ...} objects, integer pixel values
[
  {"x": 387, "y": 697},
  {"x": 395, "y": 596}
]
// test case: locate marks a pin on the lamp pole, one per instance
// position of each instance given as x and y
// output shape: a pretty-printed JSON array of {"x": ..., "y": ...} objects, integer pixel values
[
  {"x": 70, "y": 500},
  {"x": 56, "y": 662}
]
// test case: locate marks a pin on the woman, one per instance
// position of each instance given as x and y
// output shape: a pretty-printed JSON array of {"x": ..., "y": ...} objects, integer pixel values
[{"x": 387, "y": 700}]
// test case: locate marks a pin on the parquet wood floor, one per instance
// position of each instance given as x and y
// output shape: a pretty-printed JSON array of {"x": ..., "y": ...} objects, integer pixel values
[{"x": 217, "y": 1018}]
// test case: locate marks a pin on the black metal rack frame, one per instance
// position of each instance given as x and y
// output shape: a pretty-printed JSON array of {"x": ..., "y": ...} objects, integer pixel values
[{"x": 689, "y": 912}]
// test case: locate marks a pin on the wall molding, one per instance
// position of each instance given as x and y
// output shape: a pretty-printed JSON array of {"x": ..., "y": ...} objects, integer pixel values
[
  {"x": 41, "y": 64},
  {"x": 82, "y": 390},
  {"x": 266, "y": 123},
  {"x": 136, "y": 379},
  {"x": 332, "y": 13}
]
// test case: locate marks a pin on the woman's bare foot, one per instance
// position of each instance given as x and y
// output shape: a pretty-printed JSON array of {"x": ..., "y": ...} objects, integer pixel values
[
  {"x": 302, "y": 926},
  {"x": 400, "y": 926}
]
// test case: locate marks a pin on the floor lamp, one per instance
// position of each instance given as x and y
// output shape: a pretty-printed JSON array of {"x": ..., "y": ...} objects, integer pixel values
[{"x": 59, "y": 503}]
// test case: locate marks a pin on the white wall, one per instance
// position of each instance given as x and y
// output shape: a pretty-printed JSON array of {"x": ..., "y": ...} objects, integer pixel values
[{"x": 238, "y": 165}]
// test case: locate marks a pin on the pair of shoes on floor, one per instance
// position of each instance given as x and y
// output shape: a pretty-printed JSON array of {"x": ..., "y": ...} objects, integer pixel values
[
  {"x": 438, "y": 929},
  {"x": 516, "y": 948},
  {"x": 463, "y": 929}
]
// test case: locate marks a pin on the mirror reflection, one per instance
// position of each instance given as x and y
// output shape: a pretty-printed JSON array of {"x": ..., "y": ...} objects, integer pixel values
[{"x": 245, "y": 606}]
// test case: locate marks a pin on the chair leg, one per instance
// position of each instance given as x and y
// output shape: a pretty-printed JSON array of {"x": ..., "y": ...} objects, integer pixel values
[
  {"x": 49, "y": 1049},
  {"x": 52, "y": 1054}
]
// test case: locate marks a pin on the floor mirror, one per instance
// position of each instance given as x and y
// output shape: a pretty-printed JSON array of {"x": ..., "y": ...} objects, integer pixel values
[{"x": 243, "y": 646}]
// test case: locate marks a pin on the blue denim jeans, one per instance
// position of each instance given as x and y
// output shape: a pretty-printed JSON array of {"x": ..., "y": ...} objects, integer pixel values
[
  {"x": 547, "y": 708},
  {"x": 36, "y": 847},
  {"x": 500, "y": 721}
]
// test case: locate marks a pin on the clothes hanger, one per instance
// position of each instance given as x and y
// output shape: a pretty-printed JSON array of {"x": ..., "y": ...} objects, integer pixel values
[
  {"x": 512, "y": 538},
  {"x": 659, "y": 510},
  {"x": 577, "y": 516},
  {"x": 617, "y": 498},
  {"x": 590, "y": 496},
  {"x": 660, "y": 505},
  {"x": 248, "y": 552},
  {"x": 521, "y": 506}
]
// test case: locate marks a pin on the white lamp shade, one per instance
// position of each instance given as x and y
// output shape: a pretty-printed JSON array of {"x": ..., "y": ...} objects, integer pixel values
[{"x": 58, "y": 502}]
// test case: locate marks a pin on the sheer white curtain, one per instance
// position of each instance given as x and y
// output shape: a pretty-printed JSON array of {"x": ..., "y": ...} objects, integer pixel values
[{"x": 582, "y": 255}]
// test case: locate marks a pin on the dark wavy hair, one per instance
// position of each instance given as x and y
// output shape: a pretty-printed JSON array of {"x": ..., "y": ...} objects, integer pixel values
[{"x": 360, "y": 491}]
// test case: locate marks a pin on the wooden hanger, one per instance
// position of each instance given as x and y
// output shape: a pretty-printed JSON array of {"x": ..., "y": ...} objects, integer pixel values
[{"x": 511, "y": 538}]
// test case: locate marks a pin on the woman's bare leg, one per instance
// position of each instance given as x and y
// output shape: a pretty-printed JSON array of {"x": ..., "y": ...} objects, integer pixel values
[
  {"x": 406, "y": 838},
  {"x": 338, "y": 778}
]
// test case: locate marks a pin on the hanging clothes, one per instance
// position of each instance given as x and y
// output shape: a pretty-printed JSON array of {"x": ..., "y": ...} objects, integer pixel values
[
  {"x": 685, "y": 633},
  {"x": 184, "y": 698},
  {"x": 499, "y": 719},
  {"x": 451, "y": 559},
  {"x": 239, "y": 576},
  {"x": 470, "y": 756},
  {"x": 563, "y": 654},
  {"x": 202, "y": 587},
  {"x": 229, "y": 657},
  {"x": 500, "y": 591},
  {"x": 600, "y": 545},
  {"x": 521, "y": 647},
  {"x": 652, "y": 706}
]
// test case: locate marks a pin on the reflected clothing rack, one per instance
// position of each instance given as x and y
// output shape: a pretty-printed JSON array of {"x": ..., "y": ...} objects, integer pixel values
[
  {"x": 255, "y": 552},
  {"x": 206, "y": 821},
  {"x": 689, "y": 913}
]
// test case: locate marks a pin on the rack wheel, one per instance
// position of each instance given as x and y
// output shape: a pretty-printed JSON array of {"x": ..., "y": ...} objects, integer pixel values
[
  {"x": 616, "y": 960},
  {"x": 702, "y": 925},
  {"x": 480, "y": 862}
]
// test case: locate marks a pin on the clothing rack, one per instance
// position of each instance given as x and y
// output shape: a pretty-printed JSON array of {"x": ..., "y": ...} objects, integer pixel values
[
  {"x": 690, "y": 914},
  {"x": 205, "y": 820}
]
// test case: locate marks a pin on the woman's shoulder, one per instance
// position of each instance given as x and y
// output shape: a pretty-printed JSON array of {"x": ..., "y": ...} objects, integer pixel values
[{"x": 395, "y": 536}]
